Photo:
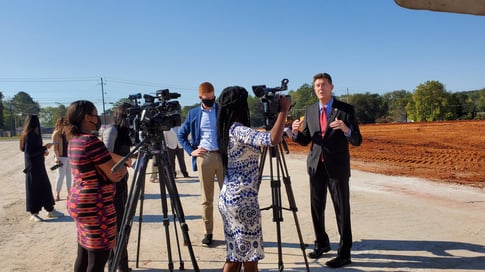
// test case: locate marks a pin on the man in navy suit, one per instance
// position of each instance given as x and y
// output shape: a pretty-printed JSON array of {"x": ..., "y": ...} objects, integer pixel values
[
  {"x": 329, "y": 125},
  {"x": 201, "y": 125}
]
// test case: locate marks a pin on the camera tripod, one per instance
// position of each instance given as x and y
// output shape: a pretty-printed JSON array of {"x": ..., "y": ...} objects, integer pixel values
[
  {"x": 152, "y": 148},
  {"x": 276, "y": 152}
]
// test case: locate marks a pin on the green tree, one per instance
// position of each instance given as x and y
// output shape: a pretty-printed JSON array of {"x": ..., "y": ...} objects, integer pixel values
[
  {"x": 477, "y": 99},
  {"x": 22, "y": 106},
  {"x": 2, "y": 116},
  {"x": 9, "y": 117},
  {"x": 481, "y": 100},
  {"x": 121, "y": 102},
  {"x": 186, "y": 109},
  {"x": 302, "y": 98},
  {"x": 368, "y": 107},
  {"x": 48, "y": 115},
  {"x": 461, "y": 106},
  {"x": 429, "y": 102},
  {"x": 255, "y": 111},
  {"x": 396, "y": 103}
]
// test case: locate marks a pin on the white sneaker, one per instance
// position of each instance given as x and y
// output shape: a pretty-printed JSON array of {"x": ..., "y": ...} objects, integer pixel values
[
  {"x": 54, "y": 213},
  {"x": 36, "y": 218}
]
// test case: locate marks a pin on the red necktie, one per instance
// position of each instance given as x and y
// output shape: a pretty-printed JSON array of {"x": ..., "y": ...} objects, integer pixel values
[
  {"x": 323, "y": 121},
  {"x": 323, "y": 125}
]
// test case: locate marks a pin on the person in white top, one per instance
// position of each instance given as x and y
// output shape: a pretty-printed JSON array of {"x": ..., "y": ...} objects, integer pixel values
[
  {"x": 172, "y": 143},
  {"x": 172, "y": 149},
  {"x": 62, "y": 164}
]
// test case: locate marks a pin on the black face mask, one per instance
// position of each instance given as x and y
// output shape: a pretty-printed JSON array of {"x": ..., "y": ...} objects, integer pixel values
[
  {"x": 209, "y": 102},
  {"x": 98, "y": 124}
]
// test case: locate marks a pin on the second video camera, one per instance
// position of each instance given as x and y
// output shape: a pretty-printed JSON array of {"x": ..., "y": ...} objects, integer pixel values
[
  {"x": 269, "y": 97},
  {"x": 153, "y": 117}
]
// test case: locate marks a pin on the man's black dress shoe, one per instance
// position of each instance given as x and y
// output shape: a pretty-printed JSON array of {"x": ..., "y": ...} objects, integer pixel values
[
  {"x": 207, "y": 239},
  {"x": 338, "y": 262},
  {"x": 318, "y": 251}
]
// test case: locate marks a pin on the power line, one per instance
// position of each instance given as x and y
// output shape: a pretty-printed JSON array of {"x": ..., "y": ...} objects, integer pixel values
[
  {"x": 47, "y": 80},
  {"x": 54, "y": 82},
  {"x": 150, "y": 84}
]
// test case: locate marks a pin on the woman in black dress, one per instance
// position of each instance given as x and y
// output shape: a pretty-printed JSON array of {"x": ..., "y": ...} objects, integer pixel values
[{"x": 37, "y": 185}]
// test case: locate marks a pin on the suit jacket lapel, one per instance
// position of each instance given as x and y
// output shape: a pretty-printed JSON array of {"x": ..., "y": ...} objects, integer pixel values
[
  {"x": 315, "y": 115},
  {"x": 331, "y": 118},
  {"x": 333, "y": 114}
]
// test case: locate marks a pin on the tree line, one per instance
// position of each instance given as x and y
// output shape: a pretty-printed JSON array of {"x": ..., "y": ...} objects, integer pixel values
[{"x": 430, "y": 101}]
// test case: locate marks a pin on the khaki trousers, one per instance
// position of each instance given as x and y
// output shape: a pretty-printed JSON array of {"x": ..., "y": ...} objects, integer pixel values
[{"x": 208, "y": 167}]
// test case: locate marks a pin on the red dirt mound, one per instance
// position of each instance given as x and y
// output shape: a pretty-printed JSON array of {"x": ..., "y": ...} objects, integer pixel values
[{"x": 452, "y": 152}]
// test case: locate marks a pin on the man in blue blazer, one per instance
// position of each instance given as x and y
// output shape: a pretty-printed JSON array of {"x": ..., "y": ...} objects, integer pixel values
[
  {"x": 201, "y": 125},
  {"x": 329, "y": 125}
]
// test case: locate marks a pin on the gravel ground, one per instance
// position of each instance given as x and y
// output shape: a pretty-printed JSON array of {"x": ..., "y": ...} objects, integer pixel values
[{"x": 399, "y": 224}]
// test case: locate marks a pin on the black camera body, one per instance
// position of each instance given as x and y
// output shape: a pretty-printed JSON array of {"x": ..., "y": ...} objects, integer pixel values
[
  {"x": 269, "y": 97},
  {"x": 156, "y": 115}
]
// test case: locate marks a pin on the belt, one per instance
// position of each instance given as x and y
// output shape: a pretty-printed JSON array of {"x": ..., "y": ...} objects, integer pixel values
[{"x": 212, "y": 151}]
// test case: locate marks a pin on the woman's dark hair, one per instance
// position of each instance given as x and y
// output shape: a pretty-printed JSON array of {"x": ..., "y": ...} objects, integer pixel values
[
  {"x": 31, "y": 124},
  {"x": 75, "y": 115},
  {"x": 233, "y": 107}
]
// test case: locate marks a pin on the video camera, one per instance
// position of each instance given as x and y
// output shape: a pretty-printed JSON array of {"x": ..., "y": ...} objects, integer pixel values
[
  {"x": 269, "y": 98},
  {"x": 156, "y": 115}
]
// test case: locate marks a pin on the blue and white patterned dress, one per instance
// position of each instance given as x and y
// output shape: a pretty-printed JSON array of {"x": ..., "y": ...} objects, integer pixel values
[{"x": 238, "y": 200}]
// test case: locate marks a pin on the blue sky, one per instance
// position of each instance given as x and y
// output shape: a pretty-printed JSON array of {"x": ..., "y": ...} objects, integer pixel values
[{"x": 57, "y": 51}]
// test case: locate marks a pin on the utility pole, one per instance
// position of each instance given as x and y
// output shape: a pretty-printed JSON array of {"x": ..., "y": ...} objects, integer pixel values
[
  {"x": 102, "y": 96},
  {"x": 12, "y": 121}
]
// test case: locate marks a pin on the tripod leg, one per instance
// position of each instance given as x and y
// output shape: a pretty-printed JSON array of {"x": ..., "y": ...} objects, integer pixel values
[
  {"x": 174, "y": 214},
  {"x": 291, "y": 201},
  {"x": 162, "y": 176},
  {"x": 275, "y": 197},
  {"x": 177, "y": 206},
  {"x": 133, "y": 197},
  {"x": 140, "y": 221},
  {"x": 167, "y": 182},
  {"x": 182, "y": 266},
  {"x": 277, "y": 217},
  {"x": 281, "y": 168},
  {"x": 277, "y": 212},
  {"x": 262, "y": 161}
]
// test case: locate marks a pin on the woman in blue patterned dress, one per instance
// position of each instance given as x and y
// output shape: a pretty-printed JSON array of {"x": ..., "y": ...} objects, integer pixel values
[{"x": 240, "y": 147}]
